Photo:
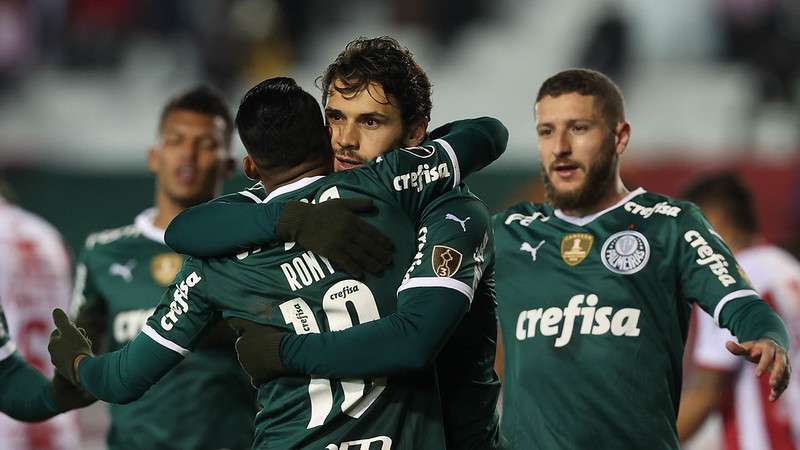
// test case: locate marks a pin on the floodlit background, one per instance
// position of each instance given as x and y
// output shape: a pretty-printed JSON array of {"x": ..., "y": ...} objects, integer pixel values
[{"x": 709, "y": 84}]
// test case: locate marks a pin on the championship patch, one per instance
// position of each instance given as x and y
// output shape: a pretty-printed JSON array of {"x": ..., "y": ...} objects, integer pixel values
[
  {"x": 421, "y": 152},
  {"x": 575, "y": 247},
  {"x": 164, "y": 267},
  {"x": 626, "y": 252},
  {"x": 445, "y": 260}
]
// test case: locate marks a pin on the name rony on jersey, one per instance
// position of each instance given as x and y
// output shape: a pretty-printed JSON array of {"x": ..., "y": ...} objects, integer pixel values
[{"x": 594, "y": 320}]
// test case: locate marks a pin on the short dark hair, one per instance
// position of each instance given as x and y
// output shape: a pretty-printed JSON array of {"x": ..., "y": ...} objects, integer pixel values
[
  {"x": 384, "y": 61},
  {"x": 587, "y": 82},
  {"x": 727, "y": 190},
  {"x": 204, "y": 100},
  {"x": 280, "y": 124}
]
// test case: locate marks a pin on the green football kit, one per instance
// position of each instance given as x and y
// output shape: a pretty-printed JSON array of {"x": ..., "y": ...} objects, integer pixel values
[
  {"x": 594, "y": 313},
  {"x": 24, "y": 393},
  {"x": 285, "y": 286},
  {"x": 120, "y": 276},
  {"x": 456, "y": 224}
]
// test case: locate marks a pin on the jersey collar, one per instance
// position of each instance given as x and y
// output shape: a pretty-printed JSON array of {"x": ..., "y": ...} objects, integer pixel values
[
  {"x": 581, "y": 221},
  {"x": 144, "y": 223},
  {"x": 293, "y": 186}
]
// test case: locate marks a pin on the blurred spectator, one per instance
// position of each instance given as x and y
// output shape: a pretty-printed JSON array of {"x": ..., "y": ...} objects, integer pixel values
[
  {"x": 722, "y": 382},
  {"x": 608, "y": 44},
  {"x": 34, "y": 279},
  {"x": 16, "y": 41},
  {"x": 97, "y": 31}
]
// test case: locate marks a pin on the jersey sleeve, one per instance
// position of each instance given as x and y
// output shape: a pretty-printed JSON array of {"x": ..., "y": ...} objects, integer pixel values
[
  {"x": 204, "y": 230},
  {"x": 709, "y": 345},
  {"x": 417, "y": 175},
  {"x": 88, "y": 308},
  {"x": 430, "y": 304},
  {"x": 185, "y": 311},
  {"x": 709, "y": 274},
  {"x": 7, "y": 347}
]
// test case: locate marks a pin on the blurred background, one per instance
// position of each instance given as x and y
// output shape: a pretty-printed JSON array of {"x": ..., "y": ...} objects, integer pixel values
[{"x": 709, "y": 84}]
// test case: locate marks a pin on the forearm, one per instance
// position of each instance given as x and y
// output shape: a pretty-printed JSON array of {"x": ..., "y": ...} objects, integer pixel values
[
  {"x": 24, "y": 392},
  {"x": 126, "y": 374},
  {"x": 753, "y": 319},
  {"x": 700, "y": 398},
  {"x": 404, "y": 341},
  {"x": 253, "y": 223},
  {"x": 476, "y": 142}
]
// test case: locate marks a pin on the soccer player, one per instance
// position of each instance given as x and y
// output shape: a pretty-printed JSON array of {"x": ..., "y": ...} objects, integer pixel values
[
  {"x": 122, "y": 273},
  {"x": 377, "y": 98},
  {"x": 291, "y": 288},
  {"x": 35, "y": 277},
  {"x": 25, "y": 394},
  {"x": 720, "y": 382},
  {"x": 595, "y": 287}
]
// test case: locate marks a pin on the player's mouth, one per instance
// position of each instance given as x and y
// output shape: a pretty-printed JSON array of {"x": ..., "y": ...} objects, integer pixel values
[
  {"x": 344, "y": 163},
  {"x": 565, "y": 170},
  {"x": 186, "y": 174}
]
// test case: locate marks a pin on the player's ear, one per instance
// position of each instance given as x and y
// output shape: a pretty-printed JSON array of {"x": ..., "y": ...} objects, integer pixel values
[
  {"x": 152, "y": 160},
  {"x": 622, "y": 135},
  {"x": 250, "y": 168},
  {"x": 416, "y": 132}
]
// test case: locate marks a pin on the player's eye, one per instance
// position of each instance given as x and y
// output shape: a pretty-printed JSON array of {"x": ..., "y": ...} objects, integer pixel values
[
  {"x": 334, "y": 116},
  {"x": 580, "y": 128},
  {"x": 371, "y": 123},
  {"x": 171, "y": 139},
  {"x": 543, "y": 132},
  {"x": 207, "y": 144}
]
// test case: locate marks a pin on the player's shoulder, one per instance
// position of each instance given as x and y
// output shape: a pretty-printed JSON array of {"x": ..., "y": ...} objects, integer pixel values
[
  {"x": 459, "y": 199},
  {"x": 14, "y": 218},
  {"x": 127, "y": 238},
  {"x": 253, "y": 194},
  {"x": 768, "y": 264},
  {"x": 525, "y": 213}
]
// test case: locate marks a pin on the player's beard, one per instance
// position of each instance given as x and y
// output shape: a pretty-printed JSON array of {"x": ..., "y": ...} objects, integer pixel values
[{"x": 598, "y": 181}]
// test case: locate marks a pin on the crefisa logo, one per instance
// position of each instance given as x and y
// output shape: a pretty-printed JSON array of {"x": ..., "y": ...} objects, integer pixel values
[{"x": 626, "y": 252}]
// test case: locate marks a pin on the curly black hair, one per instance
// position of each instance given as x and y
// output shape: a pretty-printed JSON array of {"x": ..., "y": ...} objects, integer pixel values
[{"x": 384, "y": 61}]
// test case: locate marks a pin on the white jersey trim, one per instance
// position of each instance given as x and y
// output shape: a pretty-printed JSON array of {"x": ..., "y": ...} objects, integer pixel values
[
  {"x": 299, "y": 184},
  {"x": 251, "y": 196},
  {"x": 581, "y": 221},
  {"x": 7, "y": 350},
  {"x": 152, "y": 334},
  {"x": 452, "y": 154},
  {"x": 728, "y": 298},
  {"x": 144, "y": 222},
  {"x": 449, "y": 283}
]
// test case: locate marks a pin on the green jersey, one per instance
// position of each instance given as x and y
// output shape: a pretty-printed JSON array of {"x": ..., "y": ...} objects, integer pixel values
[
  {"x": 285, "y": 286},
  {"x": 594, "y": 313},
  {"x": 120, "y": 276}
]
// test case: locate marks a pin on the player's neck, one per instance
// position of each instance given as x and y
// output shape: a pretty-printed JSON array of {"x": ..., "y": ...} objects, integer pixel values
[
  {"x": 616, "y": 192},
  {"x": 280, "y": 176},
  {"x": 166, "y": 210}
]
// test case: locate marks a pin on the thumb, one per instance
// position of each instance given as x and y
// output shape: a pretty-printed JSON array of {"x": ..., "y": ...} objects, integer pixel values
[
  {"x": 735, "y": 348},
  {"x": 61, "y": 320},
  {"x": 359, "y": 205}
]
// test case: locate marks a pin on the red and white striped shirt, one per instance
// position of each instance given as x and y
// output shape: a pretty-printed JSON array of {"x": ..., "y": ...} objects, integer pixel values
[
  {"x": 749, "y": 420},
  {"x": 34, "y": 278}
]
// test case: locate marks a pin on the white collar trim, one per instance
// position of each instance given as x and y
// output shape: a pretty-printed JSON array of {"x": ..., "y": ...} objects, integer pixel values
[
  {"x": 144, "y": 223},
  {"x": 293, "y": 186},
  {"x": 581, "y": 221}
]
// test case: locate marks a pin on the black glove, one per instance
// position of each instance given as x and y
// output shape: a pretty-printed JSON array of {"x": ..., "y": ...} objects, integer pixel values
[
  {"x": 67, "y": 396},
  {"x": 259, "y": 350},
  {"x": 67, "y": 343},
  {"x": 333, "y": 230}
]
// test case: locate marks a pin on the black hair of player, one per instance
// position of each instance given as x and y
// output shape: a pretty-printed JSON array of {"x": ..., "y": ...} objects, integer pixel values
[
  {"x": 280, "y": 124},
  {"x": 384, "y": 61},
  {"x": 591, "y": 83},
  {"x": 727, "y": 190},
  {"x": 203, "y": 100}
]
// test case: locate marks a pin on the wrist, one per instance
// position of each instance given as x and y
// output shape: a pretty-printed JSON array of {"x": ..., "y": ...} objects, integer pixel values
[{"x": 76, "y": 362}]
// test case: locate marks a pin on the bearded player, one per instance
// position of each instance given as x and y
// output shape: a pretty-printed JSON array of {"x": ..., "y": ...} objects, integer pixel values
[{"x": 595, "y": 320}]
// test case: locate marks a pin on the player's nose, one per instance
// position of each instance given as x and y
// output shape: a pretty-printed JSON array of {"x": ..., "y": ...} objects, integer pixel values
[{"x": 346, "y": 137}]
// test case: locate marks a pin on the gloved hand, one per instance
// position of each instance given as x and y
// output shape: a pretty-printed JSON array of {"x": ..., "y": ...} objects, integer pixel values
[
  {"x": 67, "y": 343},
  {"x": 333, "y": 230},
  {"x": 259, "y": 350},
  {"x": 68, "y": 396}
]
